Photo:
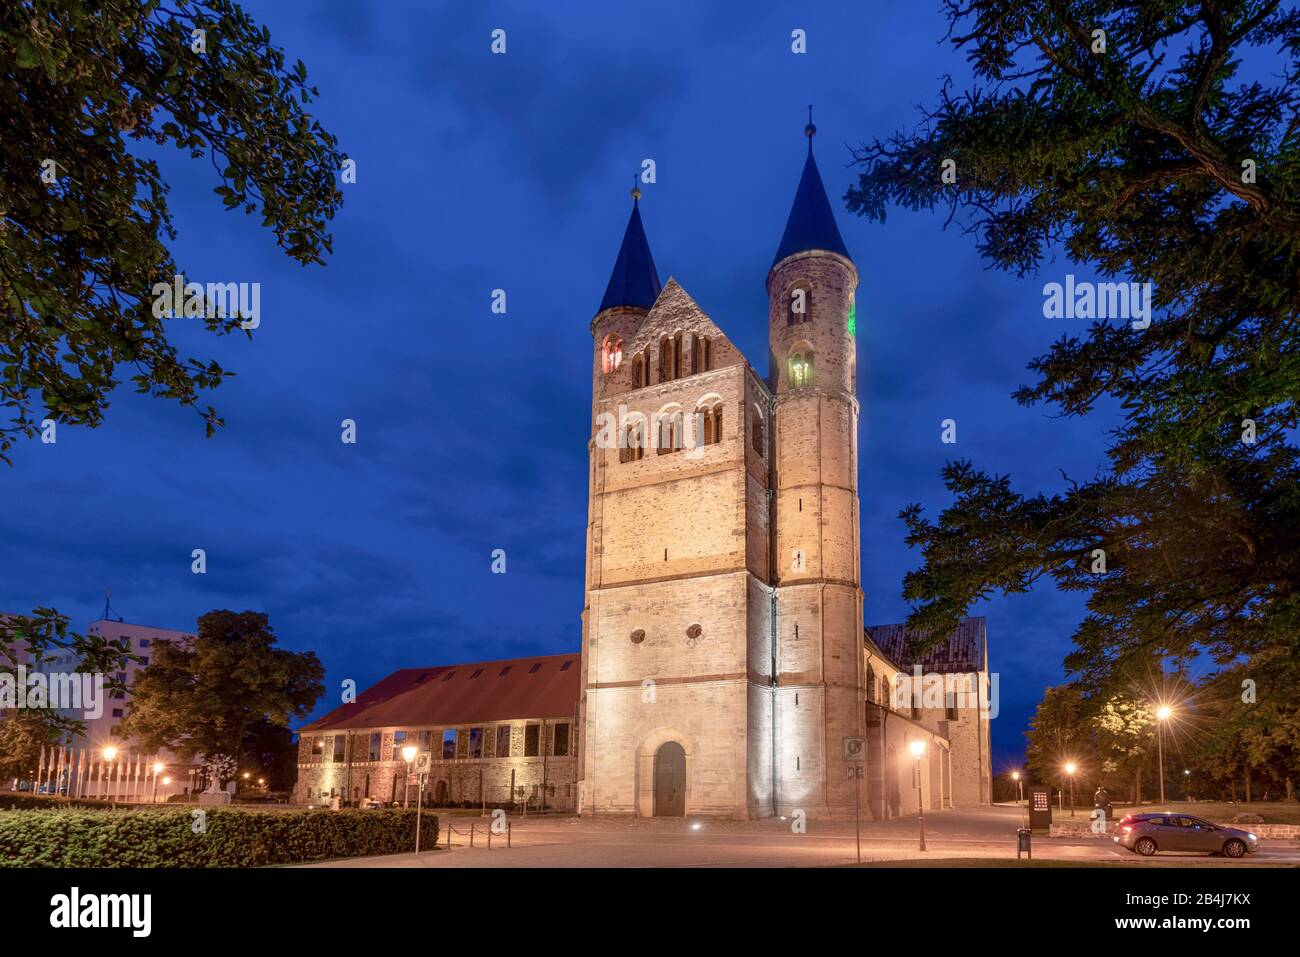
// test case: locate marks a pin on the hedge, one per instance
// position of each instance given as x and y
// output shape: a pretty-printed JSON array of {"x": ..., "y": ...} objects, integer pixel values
[
  {"x": 231, "y": 837},
  {"x": 13, "y": 801}
]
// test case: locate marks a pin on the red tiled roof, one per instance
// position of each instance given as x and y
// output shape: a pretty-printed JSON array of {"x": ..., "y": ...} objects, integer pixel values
[
  {"x": 539, "y": 687},
  {"x": 964, "y": 651}
]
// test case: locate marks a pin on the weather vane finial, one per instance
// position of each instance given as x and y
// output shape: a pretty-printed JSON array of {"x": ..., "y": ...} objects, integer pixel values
[
  {"x": 636, "y": 191},
  {"x": 810, "y": 131}
]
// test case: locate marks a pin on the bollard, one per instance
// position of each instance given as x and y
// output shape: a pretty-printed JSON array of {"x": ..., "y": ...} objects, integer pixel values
[
  {"x": 509, "y": 825},
  {"x": 471, "y": 833},
  {"x": 1024, "y": 843},
  {"x": 449, "y": 836}
]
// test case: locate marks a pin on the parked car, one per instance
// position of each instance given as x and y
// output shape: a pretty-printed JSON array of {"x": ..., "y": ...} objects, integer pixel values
[{"x": 1146, "y": 834}]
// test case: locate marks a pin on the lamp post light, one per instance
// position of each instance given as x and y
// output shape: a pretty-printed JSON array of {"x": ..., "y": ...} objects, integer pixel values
[
  {"x": 1070, "y": 768},
  {"x": 918, "y": 749},
  {"x": 1187, "y": 784},
  {"x": 408, "y": 755},
  {"x": 158, "y": 768},
  {"x": 1163, "y": 714},
  {"x": 110, "y": 753}
]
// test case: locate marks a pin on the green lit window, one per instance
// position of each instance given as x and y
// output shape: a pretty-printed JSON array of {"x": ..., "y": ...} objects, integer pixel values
[
  {"x": 801, "y": 369},
  {"x": 853, "y": 316}
]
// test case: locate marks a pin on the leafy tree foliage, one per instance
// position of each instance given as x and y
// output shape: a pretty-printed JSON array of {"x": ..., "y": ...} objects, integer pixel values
[
  {"x": 89, "y": 88},
  {"x": 34, "y": 640},
  {"x": 214, "y": 696},
  {"x": 1154, "y": 159}
]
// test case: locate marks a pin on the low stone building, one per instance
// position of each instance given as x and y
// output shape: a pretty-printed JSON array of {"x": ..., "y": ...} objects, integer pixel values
[{"x": 501, "y": 733}]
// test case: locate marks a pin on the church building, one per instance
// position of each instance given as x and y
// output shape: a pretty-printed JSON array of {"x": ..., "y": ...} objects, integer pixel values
[
  {"x": 725, "y": 663},
  {"x": 724, "y": 668}
]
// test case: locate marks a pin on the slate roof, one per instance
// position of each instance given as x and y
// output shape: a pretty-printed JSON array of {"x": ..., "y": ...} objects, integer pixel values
[
  {"x": 965, "y": 650},
  {"x": 537, "y": 687},
  {"x": 634, "y": 281},
  {"x": 811, "y": 224}
]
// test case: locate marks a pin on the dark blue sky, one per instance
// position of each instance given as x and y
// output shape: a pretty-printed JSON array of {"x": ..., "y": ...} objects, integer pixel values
[{"x": 477, "y": 172}]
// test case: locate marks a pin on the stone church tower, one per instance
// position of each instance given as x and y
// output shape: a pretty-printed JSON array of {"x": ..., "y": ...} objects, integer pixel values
[{"x": 722, "y": 639}]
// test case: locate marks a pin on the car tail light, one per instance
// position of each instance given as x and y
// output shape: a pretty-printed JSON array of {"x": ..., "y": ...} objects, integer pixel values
[{"x": 1125, "y": 828}]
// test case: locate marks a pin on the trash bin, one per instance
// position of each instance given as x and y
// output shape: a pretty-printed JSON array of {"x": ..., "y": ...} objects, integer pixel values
[{"x": 1023, "y": 844}]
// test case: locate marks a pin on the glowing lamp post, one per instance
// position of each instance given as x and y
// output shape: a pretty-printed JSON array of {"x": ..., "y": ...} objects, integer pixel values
[
  {"x": 1163, "y": 713},
  {"x": 110, "y": 753},
  {"x": 1070, "y": 768},
  {"x": 918, "y": 749},
  {"x": 408, "y": 755}
]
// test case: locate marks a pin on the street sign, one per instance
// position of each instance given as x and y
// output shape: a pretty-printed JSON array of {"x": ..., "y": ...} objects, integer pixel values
[
  {"x": 855, "y": 749},
  {"x": 424, "y": 762}
]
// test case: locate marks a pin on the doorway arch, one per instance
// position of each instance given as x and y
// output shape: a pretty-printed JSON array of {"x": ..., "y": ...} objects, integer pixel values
[{"x": 670, "y": 780}]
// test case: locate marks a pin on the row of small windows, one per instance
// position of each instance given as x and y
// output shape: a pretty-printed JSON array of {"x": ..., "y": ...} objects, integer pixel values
[
  {"x": 451, "y": 744},
  {"x": 672, "y": 358},
  {"x": 886, "y": 699},
  {"x": 670, "y": 433}
]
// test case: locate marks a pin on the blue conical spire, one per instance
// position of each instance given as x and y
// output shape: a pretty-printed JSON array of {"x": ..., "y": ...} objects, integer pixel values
[
  {"x": 812, "y": 223},
  {"x": 634, "y": 281}
]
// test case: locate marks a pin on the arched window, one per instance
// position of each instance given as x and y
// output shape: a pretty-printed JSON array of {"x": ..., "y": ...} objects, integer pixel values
[
  {"x": 798, "y": 305},
  {"x": 611, "y": 353},
  {"x": 708, "y": 424},
  {"x": 871, "y": 684},
  {"x": 677, "y": 356},
  {"x": 756, "y": 433},
  {"x": 633, "y": 444},
  {"x": 638, "y": 369},
  {"x": 665, "y": 359},
  {"x": 801, "y": 364},
  {"x": 670, "y": 437},
  {"x": 707, "y": 361},
  {"x": 696, "y": 365}
]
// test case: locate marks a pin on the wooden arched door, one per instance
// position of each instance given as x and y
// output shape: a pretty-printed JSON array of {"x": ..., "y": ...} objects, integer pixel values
[{"x": 670, "y": 780}]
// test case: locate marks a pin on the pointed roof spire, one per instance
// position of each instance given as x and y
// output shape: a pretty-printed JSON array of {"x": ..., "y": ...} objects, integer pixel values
[
  {"x": 811, "y": 224},
  {"x": 634, "y": 282}
]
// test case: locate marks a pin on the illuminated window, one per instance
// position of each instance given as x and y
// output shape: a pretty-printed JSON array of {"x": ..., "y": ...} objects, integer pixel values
[
  {"x": 801, "y": 369},
  {"x": 611, "y": 353},
  {"x": 853, "y": 316},
  {"x": 317, "y": 747}
]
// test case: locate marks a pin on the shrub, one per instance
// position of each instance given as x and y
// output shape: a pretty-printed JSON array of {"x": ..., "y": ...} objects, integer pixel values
[
  {"x": 11, "y": 802},
  {"x": 232, "y": 837}
]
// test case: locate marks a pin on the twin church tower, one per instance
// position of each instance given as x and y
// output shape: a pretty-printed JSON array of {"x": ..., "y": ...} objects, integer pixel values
[{"x": 722, "y": 638}]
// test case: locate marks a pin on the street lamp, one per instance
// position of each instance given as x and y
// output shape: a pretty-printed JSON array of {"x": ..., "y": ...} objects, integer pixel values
[
  {"x": 1070, "y": 768},
  {"x": 918, "y": 749},
  {"x": 158, "y": 768},
  {"x": 110, "y": 753},
  {"x": 1163, "y": 714},
  {"x": 408, "y": 755}
]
